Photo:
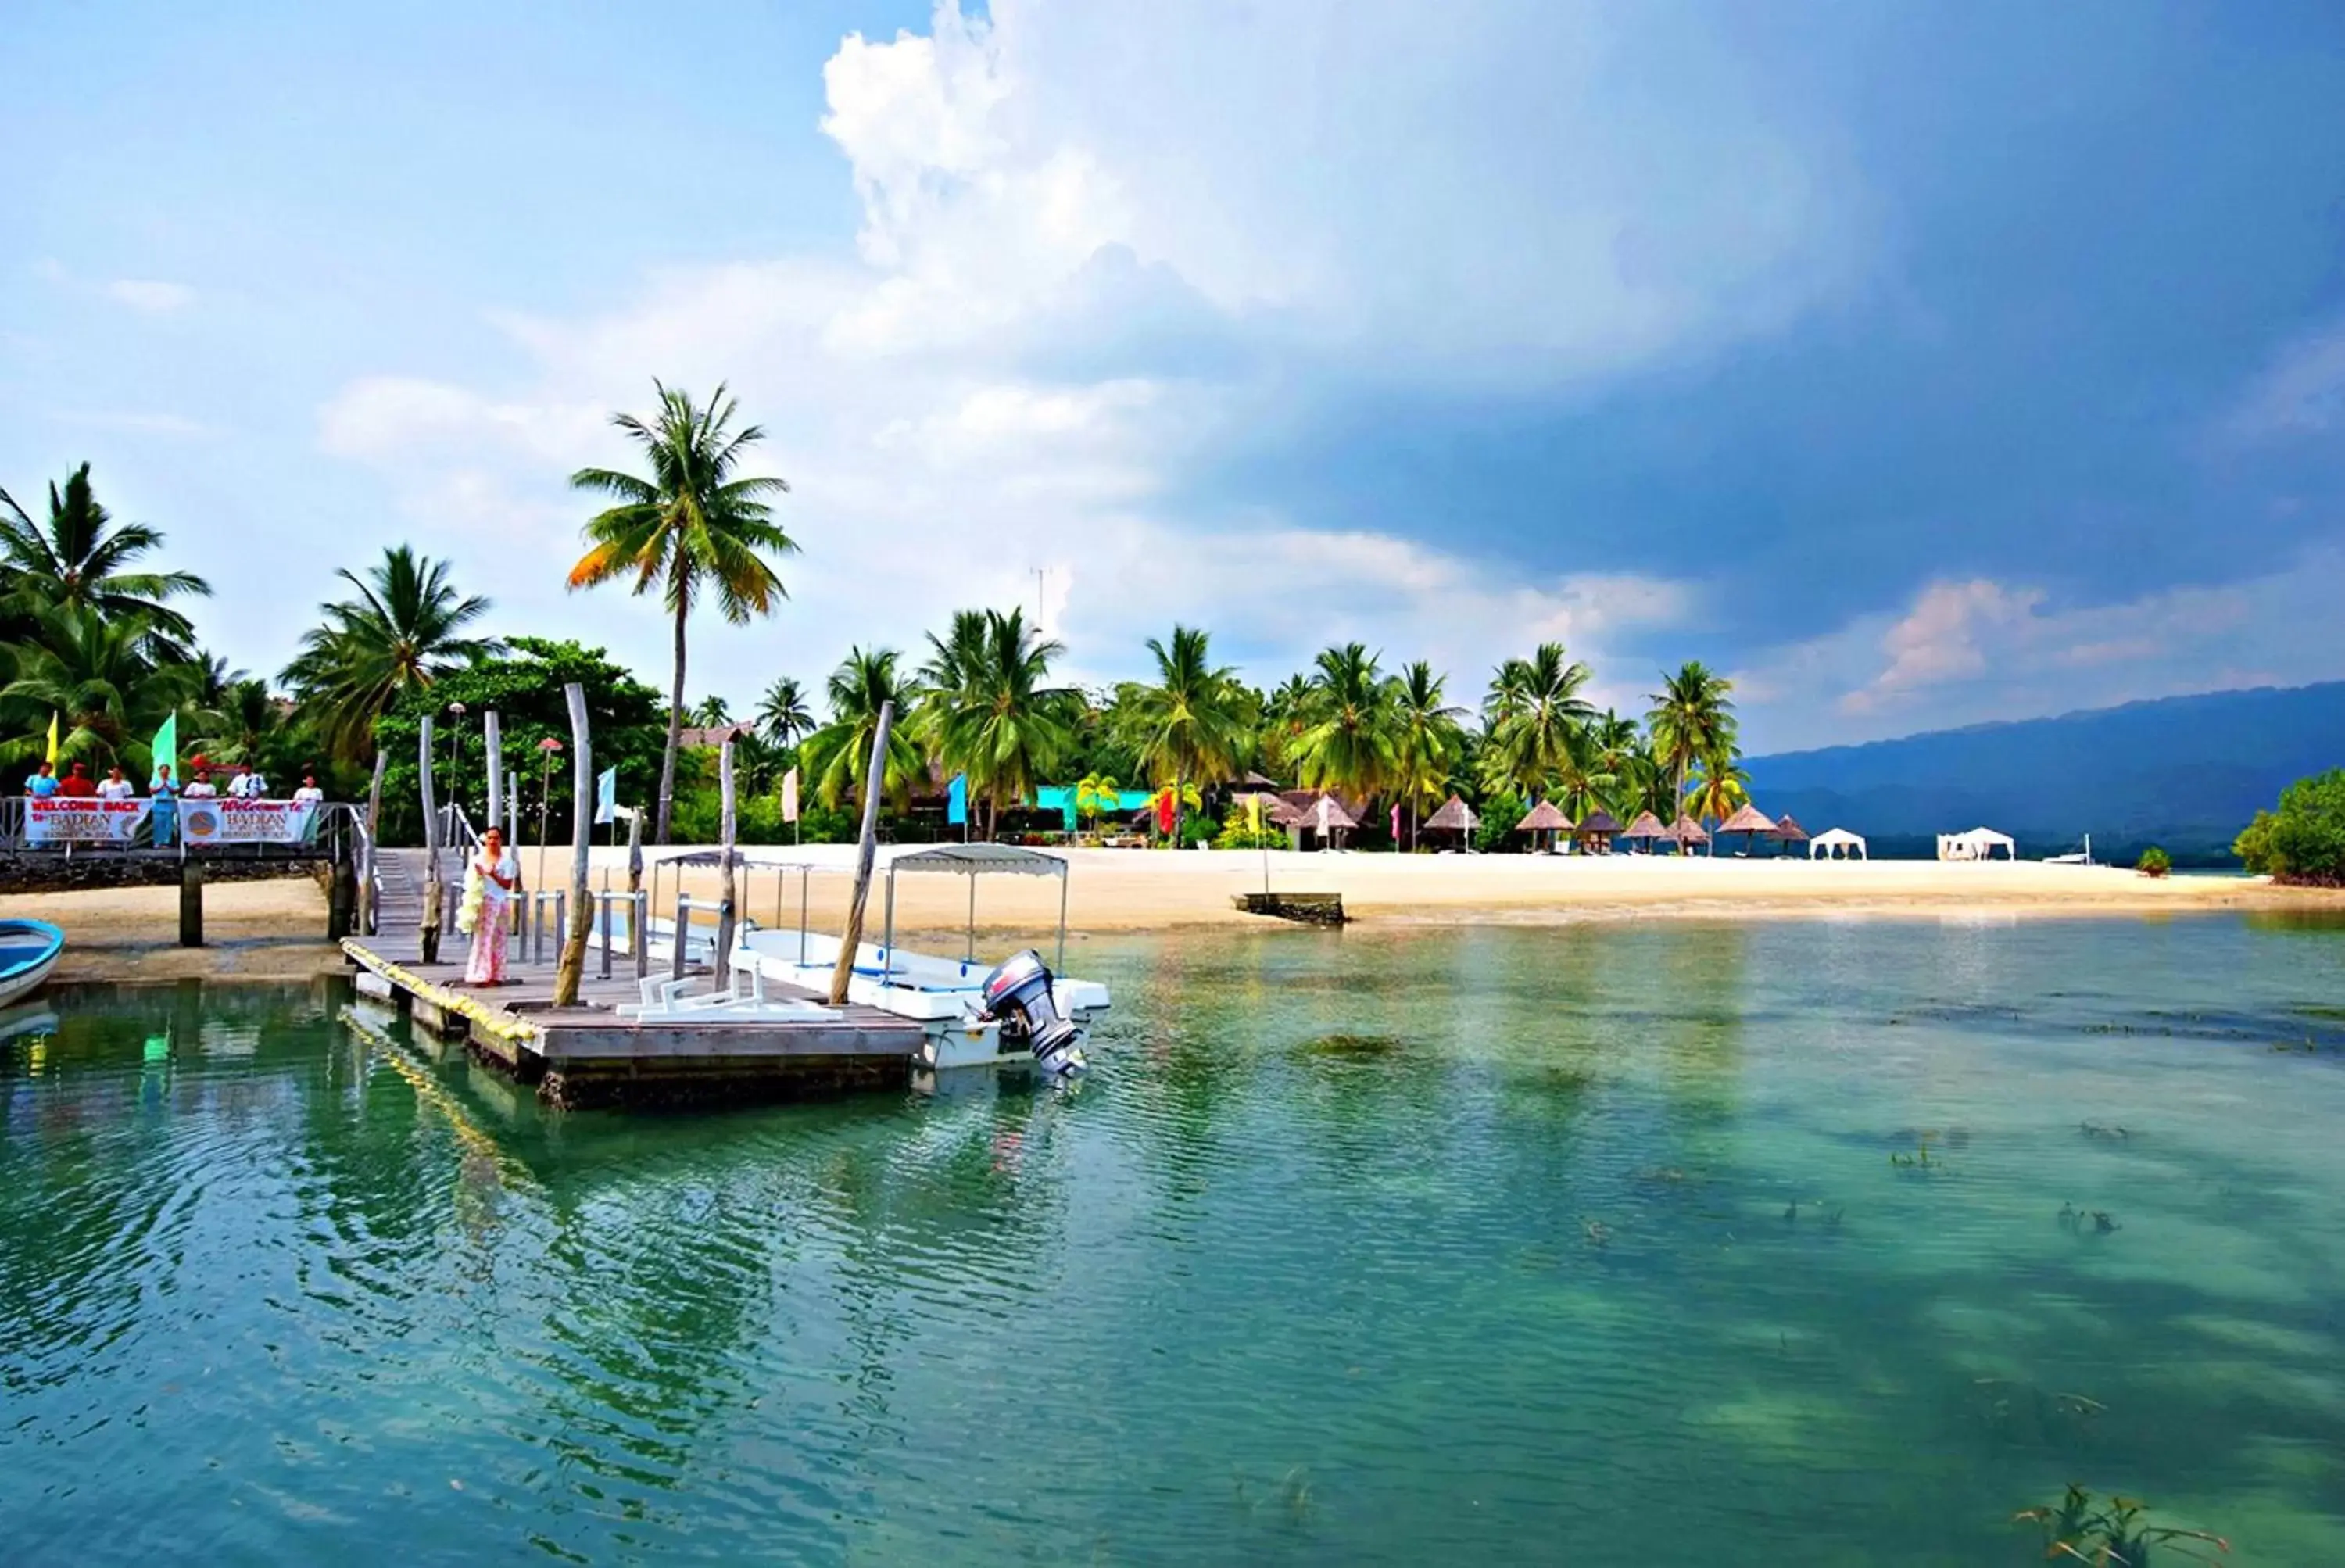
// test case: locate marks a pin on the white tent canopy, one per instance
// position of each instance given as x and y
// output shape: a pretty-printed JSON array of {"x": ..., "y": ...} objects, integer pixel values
[
  {"x": 1837, "y": 844},
  {"x": 1978, "y": 844}
]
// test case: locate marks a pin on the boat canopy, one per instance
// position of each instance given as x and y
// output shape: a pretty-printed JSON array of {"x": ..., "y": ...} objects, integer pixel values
[{"x": 963, "y": 860}]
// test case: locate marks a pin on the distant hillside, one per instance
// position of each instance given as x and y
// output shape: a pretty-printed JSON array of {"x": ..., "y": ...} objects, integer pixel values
[{"x": 2186, "y": 772}]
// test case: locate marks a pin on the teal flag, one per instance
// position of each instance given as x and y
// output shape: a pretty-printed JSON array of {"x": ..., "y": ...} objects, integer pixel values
[
  {"x": 606, "y": 795},
  {"x": 957, "y": 798},
  {"x": 165, "y": 748}
]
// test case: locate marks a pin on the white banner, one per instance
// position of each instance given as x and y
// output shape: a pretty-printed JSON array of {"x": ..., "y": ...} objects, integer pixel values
[
  {"x": 223, "y": 821},
  {"x": 82, "y": 821}
]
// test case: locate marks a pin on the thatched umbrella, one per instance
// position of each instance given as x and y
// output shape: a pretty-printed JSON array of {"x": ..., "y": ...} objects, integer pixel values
[
  {"x": 1599, "y": 826},
  {"x": 1544, "y": 818},
  {"x": 1750, "y": 821},
  {"x": 1648, "y": 828},
  {"x": 1790, "y": 831},
  {"x": 1327, "y": 816},
  {"x": 1455, "y": 817},
  {"x": 1685, "y": 833}
]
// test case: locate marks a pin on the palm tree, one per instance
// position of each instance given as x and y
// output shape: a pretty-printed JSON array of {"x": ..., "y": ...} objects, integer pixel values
[
  {"x": 783, "y": 717},
  {"x": 405, "y": 630},
  {"x": 709, "y": 713},
  {"x": 1428, "y": 739},
  {"x": 998, "y": 724},
  {"x": 1692, "y": 718},
  {"x": 1189, "y": 726},
  {"x": 97, "y": 673},
  {"x": 838, "y": 756},
  {"x": 1535, "y": 711},
  {"x": 1349, "y": 743},
  {"x": 694, "y": 527},
  {"x": 79, "y": 560},
  {"x": 1096, "y": 795},
  {"x": 1720, "y": 788}
]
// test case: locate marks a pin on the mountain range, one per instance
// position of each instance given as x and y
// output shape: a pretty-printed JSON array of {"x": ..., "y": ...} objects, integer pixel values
[{"x": 2182, "y": 772}]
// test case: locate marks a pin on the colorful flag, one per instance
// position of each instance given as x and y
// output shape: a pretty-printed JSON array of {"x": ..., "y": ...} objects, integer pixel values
[
  {"x": 790, "y": 796},
  {"x": 1253, "y": 813},
  {"x": 53, "y": 739},
  {"x": 606, "y": 795},
  {"x": 1396, "y": 820},
  {"x": 1164, "y": 811},
  {"x": 957, "y": 799},
  {"x": 166, "y": 749}
]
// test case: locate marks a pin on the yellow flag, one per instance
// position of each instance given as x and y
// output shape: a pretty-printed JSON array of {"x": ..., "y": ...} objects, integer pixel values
[
  {"x": 53, "y": 739},
  {"x": 1253, "y": 813}
]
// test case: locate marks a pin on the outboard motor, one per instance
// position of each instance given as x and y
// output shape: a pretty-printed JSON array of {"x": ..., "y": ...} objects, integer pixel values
[{"x": 1018, "y": 995}]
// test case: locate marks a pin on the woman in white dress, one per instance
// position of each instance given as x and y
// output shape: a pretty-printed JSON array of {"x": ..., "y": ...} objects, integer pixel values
[{"x": 485, "y": 914}]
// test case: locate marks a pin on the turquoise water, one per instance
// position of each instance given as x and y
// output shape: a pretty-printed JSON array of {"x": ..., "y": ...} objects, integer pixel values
[{"x": 1583, "y": 1246}]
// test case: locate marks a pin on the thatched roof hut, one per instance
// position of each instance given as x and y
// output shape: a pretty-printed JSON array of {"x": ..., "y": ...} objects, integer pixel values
[
  {"x": 1646, "y": 827},
  {"x": 1790, "y": 831},
  {"x": 1686, "y": 830},
  {"x": 1749, "y": 819},
  {"x": 1600, "y": 821},
  {"x": 1544, "y": 818},
  {"x": 1455, "y": 817}
]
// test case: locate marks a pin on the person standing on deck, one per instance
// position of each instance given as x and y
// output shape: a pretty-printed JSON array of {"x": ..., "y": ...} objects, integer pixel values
[
  {"x": 202, "y": 789},
  {"x": 115, "y": 787},
  {"x": 485, "y": 914},
  {"x": 43, "y": 784},
  {"x": 77, "y": 785},
  {"x": 308, "y": 794},
  {"x": 166, "y": 816}
]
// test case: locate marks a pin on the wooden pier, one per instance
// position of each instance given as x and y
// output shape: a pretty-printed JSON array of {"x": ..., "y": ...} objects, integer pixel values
[{"x": 587, "y": 1054}]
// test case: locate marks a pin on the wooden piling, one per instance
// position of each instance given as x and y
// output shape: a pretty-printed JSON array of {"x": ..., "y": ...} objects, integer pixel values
[{"x": 192, "y": 902}]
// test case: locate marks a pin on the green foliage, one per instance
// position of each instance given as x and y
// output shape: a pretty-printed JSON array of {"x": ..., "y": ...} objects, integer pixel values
[
  {"x": 1692, "y": 718},
  {"x": 2114, "y": 1535},
  {"x": 1500, "y": 813},
  {"x": 1196, "y": 830},
  {"x": 2154, "y": 862},
  {"x": 623, "y": 714},
  {"x": 2304, "y": 840},
  {"x": 1236, "y": 835}
]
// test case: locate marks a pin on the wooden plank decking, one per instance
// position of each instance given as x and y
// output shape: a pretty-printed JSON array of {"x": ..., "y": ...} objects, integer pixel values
[{"x": 587, "y": 1053}]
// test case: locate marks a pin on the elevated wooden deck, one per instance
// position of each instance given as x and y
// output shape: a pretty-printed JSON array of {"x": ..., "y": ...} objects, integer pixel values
[{"x": 586, "y": 1054}]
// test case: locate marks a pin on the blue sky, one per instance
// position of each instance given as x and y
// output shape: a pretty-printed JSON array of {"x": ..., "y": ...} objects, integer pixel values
[{"x": 1918, "y": 367}]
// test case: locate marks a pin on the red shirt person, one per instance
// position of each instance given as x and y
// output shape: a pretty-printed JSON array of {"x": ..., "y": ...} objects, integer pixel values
[{"x": 79, "y": 784}]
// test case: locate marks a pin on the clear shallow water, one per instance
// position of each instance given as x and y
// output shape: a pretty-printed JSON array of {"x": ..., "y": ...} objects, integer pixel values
[{"x": 1435, "y": 1246}]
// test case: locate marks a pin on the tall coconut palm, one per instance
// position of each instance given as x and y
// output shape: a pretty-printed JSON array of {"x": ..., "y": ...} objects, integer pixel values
[
  {"x": 837, "y": 756},
  {"x": 697, "y": 526},
  {"x": 1189, "y": 726},
  {"x": 783, "y": 717},
  {"x": 406, "y": 629},
  {"x": 1693, "y": 717},
  {"x": 1350, "y": 741},
  {"x": 1535, "y": 712},
  {"x": 1000, "y": 724},
  {"x": 1427, "y": 739},
  {"x": 1717, "y": 789},
  {"x": 79, "y": 558},
  {"x": 709, "y": 713},
  {"x": 96, "y": 673}
]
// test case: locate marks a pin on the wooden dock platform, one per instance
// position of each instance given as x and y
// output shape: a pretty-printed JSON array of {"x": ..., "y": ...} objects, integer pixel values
[{"x": 587, "y": 1054}]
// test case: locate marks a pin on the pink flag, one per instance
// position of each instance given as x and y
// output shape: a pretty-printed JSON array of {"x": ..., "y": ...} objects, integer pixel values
[
  {"x": 1395, "y": 822},
  {"x": 790, "y": 796}
]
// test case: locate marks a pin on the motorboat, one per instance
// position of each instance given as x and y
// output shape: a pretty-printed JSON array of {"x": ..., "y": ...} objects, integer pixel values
[
  {"x": 28, "y": 952},
  {"x": 973, "y": 1012}
]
